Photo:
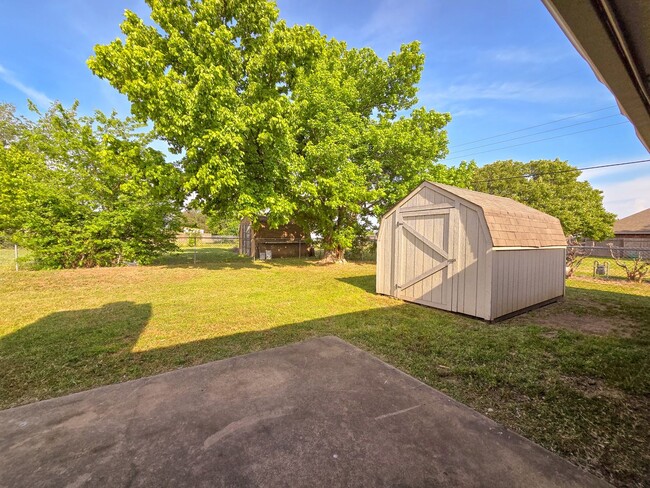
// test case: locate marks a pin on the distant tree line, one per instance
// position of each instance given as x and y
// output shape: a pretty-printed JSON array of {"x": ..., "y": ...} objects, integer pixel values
[
  {"x": 213, "y": 223},
  {"x": 551, "y": 187}
]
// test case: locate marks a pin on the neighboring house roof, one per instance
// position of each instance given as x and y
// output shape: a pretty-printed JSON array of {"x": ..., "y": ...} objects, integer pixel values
[
  {"x": 639, "y": 223},
  {"x": 512, "y": 224},
  {"x": 612, "y": 35}
]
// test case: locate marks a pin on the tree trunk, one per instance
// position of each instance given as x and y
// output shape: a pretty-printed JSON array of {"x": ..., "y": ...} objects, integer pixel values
[{"x": 335, "y": 255}]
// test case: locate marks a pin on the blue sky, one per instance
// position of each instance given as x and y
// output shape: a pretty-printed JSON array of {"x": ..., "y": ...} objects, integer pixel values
[{"x": 496, "y": 66}]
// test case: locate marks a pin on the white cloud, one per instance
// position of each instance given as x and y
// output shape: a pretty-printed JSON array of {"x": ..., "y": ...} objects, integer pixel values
[
  {"x": 507, "y": 90},
  {"x": 626, "y": 197},
  {"x": 626, "y": 189},
  {"x": 618, "y": 172},
  {"x": 37, "y": 96},
  {"x": 466, "y": 112},
  {"x": 391, "y": 20},
  {"x": 522, "y": 55},
  {"x": 598, "y": 173}
]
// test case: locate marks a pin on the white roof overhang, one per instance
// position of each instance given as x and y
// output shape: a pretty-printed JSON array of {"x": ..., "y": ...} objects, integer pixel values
[{"x": 614, "y": 37}]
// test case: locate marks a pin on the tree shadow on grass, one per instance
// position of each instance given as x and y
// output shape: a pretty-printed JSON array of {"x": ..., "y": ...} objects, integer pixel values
[
  {"x": 79, "y": 349},
  {"x": 214, "y": 258},
  {"x": 366, "y": 283},
  {"x": 70, "y": 350},
  {"x": 477, "y": 363}
]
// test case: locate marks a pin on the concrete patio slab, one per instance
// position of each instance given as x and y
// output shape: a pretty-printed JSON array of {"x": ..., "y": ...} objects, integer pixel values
[{"x": 316, "y": 413}]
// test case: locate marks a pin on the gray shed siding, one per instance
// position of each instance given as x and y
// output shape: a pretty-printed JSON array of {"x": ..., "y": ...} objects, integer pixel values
[
  {"x": 385, "y": 250},
  {"x": 526, "y": 277},
  {"x": 480, "y": 280},
  {"x": 471, "y": 273}
]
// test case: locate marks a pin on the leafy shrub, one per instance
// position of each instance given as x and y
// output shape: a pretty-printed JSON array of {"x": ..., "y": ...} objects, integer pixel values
[{"x": 87, "y": 191}]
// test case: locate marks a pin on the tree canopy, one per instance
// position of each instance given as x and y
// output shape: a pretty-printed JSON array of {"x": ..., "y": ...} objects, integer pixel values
[
  {"x": 552, "y": 187},
  {"x": 278, "y": 120},
  {"x": 355, "y": 156},
  {"x": 213, "y": 77},
  {"x": 86, "y": 191}
]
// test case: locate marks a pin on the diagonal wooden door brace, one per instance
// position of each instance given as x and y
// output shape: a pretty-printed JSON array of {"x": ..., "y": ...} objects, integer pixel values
[
  {"x": 426, "y": 241},
  {"x": 425, "y": 275}
]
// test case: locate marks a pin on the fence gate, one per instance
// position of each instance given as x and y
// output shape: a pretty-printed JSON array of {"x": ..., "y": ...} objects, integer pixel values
[{"x": 425, "y": 241}]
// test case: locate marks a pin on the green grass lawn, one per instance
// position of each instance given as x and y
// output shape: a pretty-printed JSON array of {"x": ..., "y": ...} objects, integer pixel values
[{"x": 573, "y": 376}]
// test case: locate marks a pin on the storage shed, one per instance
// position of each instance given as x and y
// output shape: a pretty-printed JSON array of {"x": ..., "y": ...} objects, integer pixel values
[
  {"x": 470, "y": 252},
  {"x": 284, "y": 242}
]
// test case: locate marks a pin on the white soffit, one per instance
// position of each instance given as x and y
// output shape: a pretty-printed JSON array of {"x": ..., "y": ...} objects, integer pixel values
[{"x": 614, "y": 37}]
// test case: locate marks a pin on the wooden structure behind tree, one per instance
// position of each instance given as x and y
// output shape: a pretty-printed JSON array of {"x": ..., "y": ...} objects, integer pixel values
[
  {"x": 287, "y": 241},
  {"x": 470, "y": 252}
]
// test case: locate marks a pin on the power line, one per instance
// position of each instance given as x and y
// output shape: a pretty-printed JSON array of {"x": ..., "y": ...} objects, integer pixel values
[
  {"x": 540, "y": 132},
  {"x": 530, "y": 175},
  {"x": 536, "y": 140},
  {"x": 533, "y": 126}
]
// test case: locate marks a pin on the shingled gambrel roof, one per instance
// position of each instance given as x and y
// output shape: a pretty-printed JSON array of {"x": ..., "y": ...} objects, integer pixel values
[
  {"x": 512, "y": 224},
  {"x": 638, "y": 223}
]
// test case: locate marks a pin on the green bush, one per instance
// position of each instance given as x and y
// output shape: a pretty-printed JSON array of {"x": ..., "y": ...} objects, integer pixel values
[{"x": 87, "y": 191}]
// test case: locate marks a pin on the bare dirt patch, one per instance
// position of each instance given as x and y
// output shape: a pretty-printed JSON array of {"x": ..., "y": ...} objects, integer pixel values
[
  {"x": 587, "y": 324},
  {"x": 591, "y": 387}
]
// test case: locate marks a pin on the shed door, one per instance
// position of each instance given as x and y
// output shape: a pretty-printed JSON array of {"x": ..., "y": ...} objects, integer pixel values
[
  {"x": 425, "y": 243},
  {"x": 247, "y": 232}
]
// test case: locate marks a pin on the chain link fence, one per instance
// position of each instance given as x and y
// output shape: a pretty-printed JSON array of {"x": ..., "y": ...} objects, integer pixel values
[
  {"x": 609, "y": 263},
  {"x": 363, "y": 249},
  {"x": 13, "y": 257},
  {"x": 616, "y": 264},
  {"x": 191, "y": 240}
]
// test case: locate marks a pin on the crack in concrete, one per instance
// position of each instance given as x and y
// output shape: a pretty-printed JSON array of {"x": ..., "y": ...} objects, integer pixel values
[
  {"x": 396, "y": 413},
  {"x": 243, "y": 423}
]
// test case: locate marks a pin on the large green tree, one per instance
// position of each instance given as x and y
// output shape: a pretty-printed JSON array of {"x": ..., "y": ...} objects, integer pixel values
[
  {"x": 552, "y": 187},
  {"x": 10, "y": 124},
  {"x": 275, "y": 119},
  {"x": 356, "y": 156},
  {"x": 87, "y": 191},
  {"x": 214, "y": 78}
]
